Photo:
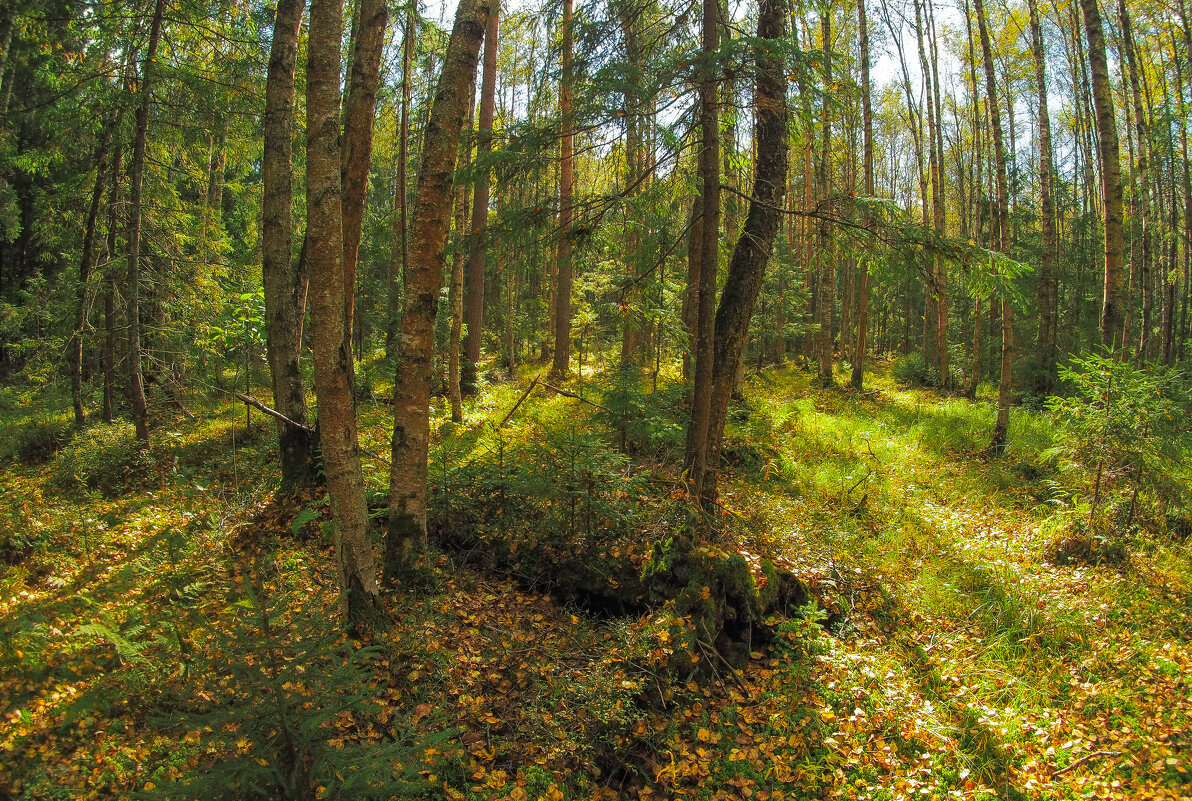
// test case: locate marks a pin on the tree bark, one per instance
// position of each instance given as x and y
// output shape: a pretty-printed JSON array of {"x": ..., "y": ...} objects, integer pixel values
[
  {"x": 332, "y": 343},
  {"x": 285, "y": 292},
  {"x": 1005, "y": 381},
  {"x": 136, "y": 379},
  {"x": 709, "y": 169},
  {"x": 478, "y": 236},
  {"x": 1045, "y": 342},
  {"x": 86, "y": 262},
  {"x": 1114, "y": 303},
  {"x": 826, "y": 283},
  {"x": 455, "y": 285},
  {"x": 406, "y": 534},
  {"x": 356, "y": 147},
  {"x": 399, "y": 258},
  {"x": 858, "y": 374},
  {"x": 563, "y": 272},
  {"x": 747, "y": 268}
]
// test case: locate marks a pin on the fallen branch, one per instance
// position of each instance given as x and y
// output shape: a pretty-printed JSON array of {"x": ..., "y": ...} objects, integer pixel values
[
  {"x": 524, "y": 395},
  {"x": 567, "y": 394},
  {"x": 1082, "y": 760},
  {"x": 256, "y": 404}
]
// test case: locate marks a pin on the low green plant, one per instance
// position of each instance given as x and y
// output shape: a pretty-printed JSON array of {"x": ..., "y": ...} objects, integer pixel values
[
  {"x": 104, "y": 457},
  {"x": 913, "y": 370},
  {"x": 1126, "y": 427}
]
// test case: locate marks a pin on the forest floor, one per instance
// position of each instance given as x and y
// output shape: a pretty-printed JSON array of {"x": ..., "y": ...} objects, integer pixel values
[{"x": 169, "y": 625}]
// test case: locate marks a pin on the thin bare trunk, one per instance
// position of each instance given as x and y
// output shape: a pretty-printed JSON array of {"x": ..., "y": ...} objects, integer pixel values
[
  {"x": 566, "y": 199},
  {"x": 406, "y": 535},
  {"x": 747, "y": 268},
  {"x": 1005, "y": 383},
  {"x": 331, "y": 340},
  {"x": 1114, "y": 304},
  {"x": 709, "y": 170},
  {"x": 285, "y": 292},
  {"x": 867, "y": 160},
  {"x": 478, "y": 236},
  {"x": 356, "y": 148},
  {"x": 136, "y": 379}
]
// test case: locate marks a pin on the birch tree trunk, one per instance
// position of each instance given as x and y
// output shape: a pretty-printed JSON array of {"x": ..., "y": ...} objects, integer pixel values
[
  {"x": 332, "y": 343},
  {"x": 406, "y": 536}
]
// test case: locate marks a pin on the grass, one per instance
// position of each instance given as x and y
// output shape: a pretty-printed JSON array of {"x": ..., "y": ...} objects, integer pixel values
[{"x": 956, "y": 663}]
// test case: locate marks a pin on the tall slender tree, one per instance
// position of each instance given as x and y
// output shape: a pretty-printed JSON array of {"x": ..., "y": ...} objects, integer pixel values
[
  {"x": 563, "y": 258},
  {"x": 699, "y": 423},
  {"x": 747, "y": 267},
  {"x": 857, "y": 378},
  {"x": 406, "y": 535},
  {"x": 1113, "y": 306},
  {"x": 136, "y": 176},
  {"x": 331, "y": 340},
  {"x": 478, "y": 235},
  {"x": 1001, "y": 425},
  {"x": 284, "y": 285}
]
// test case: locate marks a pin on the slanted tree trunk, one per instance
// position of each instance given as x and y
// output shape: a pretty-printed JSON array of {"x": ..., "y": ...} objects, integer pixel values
[
  {"x": 331, "y": 340},
  {"x": 867, "y": 161},
  {"x": 86, "y": 262},
  {"x": 1114, "y": 303},
  {"x": 478, "y": 236},
  {"x": 709, "y": 171},
  {"x": 406, "y": 534},
  {"x": 1045, "y": 342},
  {"x": 566, "y": 199},
  {"x": 136, "y": 379},
  {"x": 285, "y": 290},
  {"x": 356, "y": 147},
  {"x": 747, "y": 267},
  {"x": 1006, "y": 379}
]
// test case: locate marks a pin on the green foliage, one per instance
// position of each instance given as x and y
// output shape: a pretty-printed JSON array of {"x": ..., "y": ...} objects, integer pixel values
[
  {"x": 1126, "y": 427},
  {"x": 104, "y": 457},
  {"x": 36, "y": 441},
  {"x": 912, "y": 370},
  {"x": 276, "y": 717}
]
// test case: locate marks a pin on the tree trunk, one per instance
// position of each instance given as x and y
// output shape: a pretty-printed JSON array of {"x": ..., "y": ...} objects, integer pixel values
[
  {"x": 478, "y": 236},
  {"x": 1045, "y": 342},
  {"x": 1113, "y": 306},
  {"x": 455, "y": 286},
  {"x": 867, "y": 160},
  {"x": 566, "y": 199},
  {"x": 398, "y": 261},
  {"x": 356, "y": 147},
  {"x": 332, "y": 344},
  {"x": 1005, "y": 381},
  {"x": 709, "y": 170},
  {"x": 86, "y": 262},
  {"x": 136, "y": 379},
  {"x": 747, "y": 267},
  {"x": 285, "y": 293},
  {"x": 406, "y": 534},
  {"x": 826, "y": 282}
]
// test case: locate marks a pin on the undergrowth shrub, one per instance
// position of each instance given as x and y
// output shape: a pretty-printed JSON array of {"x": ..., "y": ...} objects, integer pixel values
[
  {"x": 104, "y": 457},
  {"x": 35, "y": 441},
  {"x": 1127, "y": 433},
  {"x": 912, "y": 370},
  {"x": 649, "y": 424},
  {"x": 283, "y": 719}
]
